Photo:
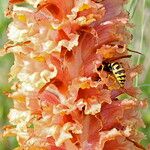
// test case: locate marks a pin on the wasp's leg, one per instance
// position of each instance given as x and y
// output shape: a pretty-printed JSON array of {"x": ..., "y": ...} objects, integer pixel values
[{"x": 102, "y": 67}]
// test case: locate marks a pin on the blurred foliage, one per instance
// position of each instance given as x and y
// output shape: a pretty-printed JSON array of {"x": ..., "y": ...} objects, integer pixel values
[
  {"x": 5, "y": 63},
  {"x": 139, "y": 12}
]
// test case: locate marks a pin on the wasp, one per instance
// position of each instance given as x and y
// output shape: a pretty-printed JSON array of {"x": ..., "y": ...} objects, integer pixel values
[{"x": 116, "y": 68}]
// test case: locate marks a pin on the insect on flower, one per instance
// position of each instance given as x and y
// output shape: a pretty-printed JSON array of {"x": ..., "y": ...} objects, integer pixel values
[{"x": 116, "y": 68}]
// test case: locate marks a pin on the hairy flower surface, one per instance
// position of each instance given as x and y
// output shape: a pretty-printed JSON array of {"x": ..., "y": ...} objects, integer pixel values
[{"x": 62, "y": 100}]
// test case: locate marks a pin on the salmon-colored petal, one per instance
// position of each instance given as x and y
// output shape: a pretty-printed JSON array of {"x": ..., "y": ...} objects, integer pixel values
[
  {"x": 59, "y": 9},
  {"x": 113, "y": 8},
  {"x": 49, "y": 98}
]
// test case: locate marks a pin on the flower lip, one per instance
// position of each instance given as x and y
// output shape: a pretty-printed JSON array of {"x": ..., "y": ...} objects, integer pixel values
[{"x": 53, "y": 9}]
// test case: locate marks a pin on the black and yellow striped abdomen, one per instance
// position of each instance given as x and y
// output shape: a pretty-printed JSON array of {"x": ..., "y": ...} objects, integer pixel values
[{"x": 119, "y": 72}]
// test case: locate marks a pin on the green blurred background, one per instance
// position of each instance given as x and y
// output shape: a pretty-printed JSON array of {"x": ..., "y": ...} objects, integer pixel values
[{"x": 140, "y": 14}]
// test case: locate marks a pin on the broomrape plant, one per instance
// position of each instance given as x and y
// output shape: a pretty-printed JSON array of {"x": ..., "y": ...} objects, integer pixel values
[{"x": 72, "y": 64}]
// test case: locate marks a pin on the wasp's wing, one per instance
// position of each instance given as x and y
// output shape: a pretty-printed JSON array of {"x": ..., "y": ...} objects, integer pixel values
[{"x": 116, "y": 58}]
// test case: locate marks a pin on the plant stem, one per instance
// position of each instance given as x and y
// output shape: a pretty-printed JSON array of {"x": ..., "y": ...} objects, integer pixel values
[{"x": 141, "y": 39}]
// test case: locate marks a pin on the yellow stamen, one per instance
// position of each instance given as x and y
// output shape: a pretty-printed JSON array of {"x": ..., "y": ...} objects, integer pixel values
[
  {"x": 85, "y": 85},
  {"x": 84, "y": 6},
  {"x": 39, "y": 58},
  {"x": 22, "y": 18}
]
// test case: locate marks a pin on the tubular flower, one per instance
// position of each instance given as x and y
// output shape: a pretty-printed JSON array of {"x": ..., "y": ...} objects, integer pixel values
[{"x": 65, "y": 96}]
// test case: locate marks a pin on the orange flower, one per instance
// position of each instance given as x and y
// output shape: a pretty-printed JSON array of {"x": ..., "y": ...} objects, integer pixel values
[{"x": 64, "y": 98}]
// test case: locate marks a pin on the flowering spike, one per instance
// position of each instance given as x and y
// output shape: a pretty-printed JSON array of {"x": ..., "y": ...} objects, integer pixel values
[{"x": 63, "y": 99}]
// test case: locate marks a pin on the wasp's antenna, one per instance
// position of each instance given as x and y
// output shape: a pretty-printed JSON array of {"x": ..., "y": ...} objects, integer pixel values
[
  {"x": 121, "y": 46},
  {"x": 134, "y": 51},
  {"x": 135, "y": 143}
]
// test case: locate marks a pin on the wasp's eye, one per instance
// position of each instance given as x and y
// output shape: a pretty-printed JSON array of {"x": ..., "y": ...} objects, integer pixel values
[{"x": 99, "y": 68}]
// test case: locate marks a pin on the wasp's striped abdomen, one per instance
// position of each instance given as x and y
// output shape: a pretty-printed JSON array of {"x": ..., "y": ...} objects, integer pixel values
[{"x": 119, "y": 72}]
